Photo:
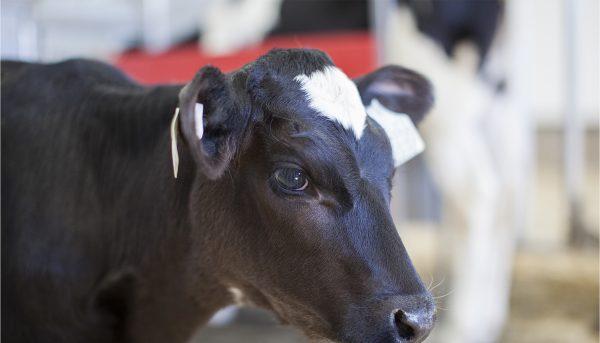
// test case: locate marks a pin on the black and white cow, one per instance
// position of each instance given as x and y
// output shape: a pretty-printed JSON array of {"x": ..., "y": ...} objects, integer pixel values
[
  {"x": 478, "y": 140},
  {"x": 281, "y": 199}
]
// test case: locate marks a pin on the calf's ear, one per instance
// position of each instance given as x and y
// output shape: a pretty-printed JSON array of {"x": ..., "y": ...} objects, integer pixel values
[
  {"x": 398, "y": 89},
  {"x": 210, "y": 122}
]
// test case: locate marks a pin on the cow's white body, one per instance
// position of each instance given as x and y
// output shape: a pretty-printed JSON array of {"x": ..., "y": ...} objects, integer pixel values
[{"x": 473, "y": 139}]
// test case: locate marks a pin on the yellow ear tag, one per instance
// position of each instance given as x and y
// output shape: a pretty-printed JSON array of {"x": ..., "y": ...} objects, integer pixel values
[{"x": 174, "y": 152}]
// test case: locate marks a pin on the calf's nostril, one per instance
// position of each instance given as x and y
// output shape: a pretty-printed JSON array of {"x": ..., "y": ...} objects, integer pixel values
[
  {"x": 413, "y": 327},
  {"x": 406, "y": 329}
]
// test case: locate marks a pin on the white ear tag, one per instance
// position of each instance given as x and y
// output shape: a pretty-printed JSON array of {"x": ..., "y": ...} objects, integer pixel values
[
  {"x": 174, "y": 152},
  {"x": 198, "y": 120},
  {"x": 402, "y": 133}
]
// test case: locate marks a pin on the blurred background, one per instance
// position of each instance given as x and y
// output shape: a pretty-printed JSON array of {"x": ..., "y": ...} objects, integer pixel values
[{"x": 500, "y": 214}]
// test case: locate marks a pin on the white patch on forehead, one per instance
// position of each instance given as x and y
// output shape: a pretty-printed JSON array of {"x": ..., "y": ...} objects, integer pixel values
[
  {"x": 403, "y": 135},
  {"x": 332, "y": 94},
  {"x": 238, "y": 296}
]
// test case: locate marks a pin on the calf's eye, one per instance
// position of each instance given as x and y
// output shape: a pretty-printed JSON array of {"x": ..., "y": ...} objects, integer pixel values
[{"x": 291, "y": 179}]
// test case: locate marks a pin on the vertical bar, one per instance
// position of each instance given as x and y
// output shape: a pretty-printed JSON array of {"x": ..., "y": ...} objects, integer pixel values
[
  {"x": 573, "y": 130},
  {"x": 379, "y": 11},
  {"x": 520, "y": 60}
]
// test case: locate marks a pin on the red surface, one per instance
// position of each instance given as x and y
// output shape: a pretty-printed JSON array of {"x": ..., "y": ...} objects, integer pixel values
[{"x": 353, "y": 52}]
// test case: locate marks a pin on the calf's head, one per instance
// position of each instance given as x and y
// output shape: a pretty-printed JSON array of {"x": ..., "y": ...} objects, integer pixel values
[{"x": 306, "y": 173}]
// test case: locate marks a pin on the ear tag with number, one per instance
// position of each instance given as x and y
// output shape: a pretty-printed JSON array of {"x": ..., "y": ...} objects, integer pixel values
[
  {"x": 174, "y": 152},
  {"x": 403, "y": 135},
  {"x": 199, "y": 126},
  {"x": 198, "y": 119}
]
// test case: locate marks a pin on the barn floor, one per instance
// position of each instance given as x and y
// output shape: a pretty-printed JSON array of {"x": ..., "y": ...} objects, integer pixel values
[
  {"x": 554, "y": 298},
  {"x": 555, "y": 289}
]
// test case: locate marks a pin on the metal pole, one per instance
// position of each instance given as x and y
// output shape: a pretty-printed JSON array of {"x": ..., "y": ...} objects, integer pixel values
[
  {"x": 573, "y": 131},
  {"x": 379, "y": 11}
]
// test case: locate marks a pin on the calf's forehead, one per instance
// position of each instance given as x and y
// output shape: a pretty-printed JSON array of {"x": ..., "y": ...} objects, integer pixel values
[
  {"x": 331, "y": 94},
  {"x": 301, "y": 84},
  {"x": 304, "y": 87}
]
